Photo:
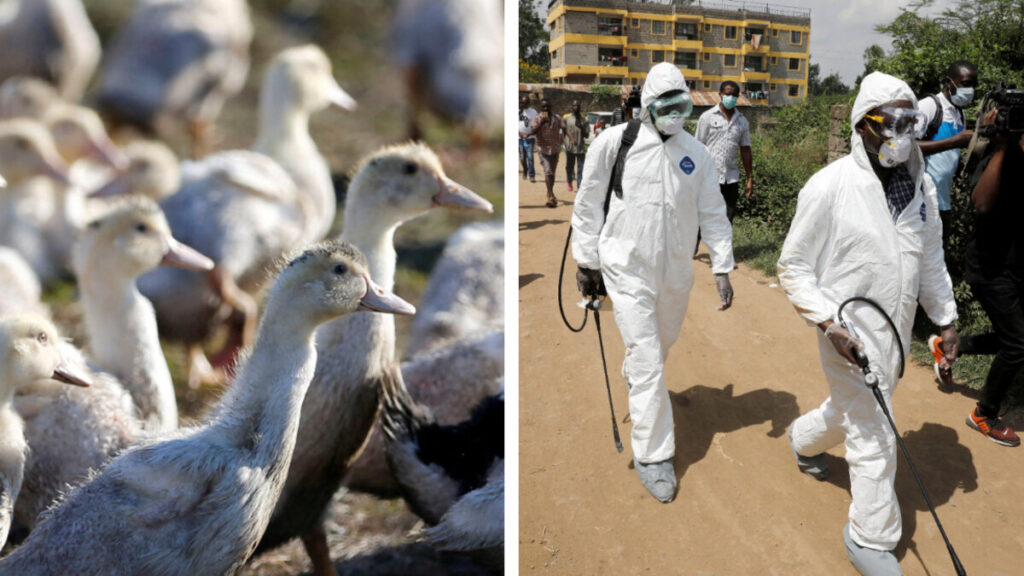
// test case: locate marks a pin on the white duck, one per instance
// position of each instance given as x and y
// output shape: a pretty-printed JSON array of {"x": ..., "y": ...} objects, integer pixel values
[
  {"x": 174, "y": 65},
  {"x": 453, "y": 477},
  {"x": 49, "y": 39},
  {"x": 390, "y": 186},
  {"x": 245, "y": 208},
  {"x": 20, "y": 290},
  {"x": 29, "y": 352},
  {"x": 152, "y": 171},
  {"x": 26, "y": 97},
  {"x": 28, "y": 206},
  {"x": 452, "y": 53},
  {"x": 196, "y": 502}
]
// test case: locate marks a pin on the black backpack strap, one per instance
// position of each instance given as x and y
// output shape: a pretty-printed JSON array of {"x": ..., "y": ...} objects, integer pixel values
[
  {"x": 628, "y": 138},
  {"x": 936, "y": 121}
]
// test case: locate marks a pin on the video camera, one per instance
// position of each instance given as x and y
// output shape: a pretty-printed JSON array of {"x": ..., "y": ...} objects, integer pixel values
[{"x": 1010, "y": 105}]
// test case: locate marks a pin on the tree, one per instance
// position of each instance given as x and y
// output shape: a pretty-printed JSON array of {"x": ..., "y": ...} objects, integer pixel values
[
  {"x": 831, "y": 84},
  {"x": 532, "y": 74},
  {"x": 533, "y": 38}
]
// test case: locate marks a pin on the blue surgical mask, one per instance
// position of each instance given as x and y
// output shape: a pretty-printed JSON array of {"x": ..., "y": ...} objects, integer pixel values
[
  {"x": 962, "y": 97},
  {"x": 729, "y": 102}
]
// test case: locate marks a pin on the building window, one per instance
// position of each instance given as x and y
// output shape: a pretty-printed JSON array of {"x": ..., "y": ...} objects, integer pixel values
[
  {"x": 554, "y": 55},
  {"x": 794, "y": 90},
  {"x": 657, "y": 56},
  {"x": 634, "y": 22},
  {"x": 753, "y": 64},
  {"x": 658, "y": 27},
  {"x": 775, "y": 33},
  {"x": 611, "y": 57},
  {"x": 730, "y": 61},
  {"x": 707, "y": 84},
  {"x": 772, "y": 87},
  {"x": 691, "y": 84},
  {"x": 611, "y": 81},
  {"x": 730, "y": 32},
  {"x": 632, "y": 81},
  {"x": 755, "y": 91},
  {"x": 686, "y": 60},
  {"x": 707, "y": 56},
  {"x": 774, "y": 60},
  {"x": 749, "y": 34},
  {"x": 686, "y": 31},
  {"x": 707, "y": 27},
  {"x": 794, "y": 63},
  {"x": 634, "y": 53},
  {"x": 609, "y": 26},
  {"x": 796, "y": 37}
]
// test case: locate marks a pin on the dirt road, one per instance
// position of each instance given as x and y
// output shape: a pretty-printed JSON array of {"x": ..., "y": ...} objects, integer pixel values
[{"x": 737, "y": 379}]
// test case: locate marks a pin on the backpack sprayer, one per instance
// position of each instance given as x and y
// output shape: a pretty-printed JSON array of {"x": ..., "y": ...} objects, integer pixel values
[{"x": 872, "y": 382}]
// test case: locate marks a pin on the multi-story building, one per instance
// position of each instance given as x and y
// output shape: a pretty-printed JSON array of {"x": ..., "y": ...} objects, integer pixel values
[{"x": 762, "y": 48}]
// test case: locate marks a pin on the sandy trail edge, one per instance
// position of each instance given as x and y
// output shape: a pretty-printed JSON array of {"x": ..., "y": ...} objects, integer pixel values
[{"x": 737, "y": 379}]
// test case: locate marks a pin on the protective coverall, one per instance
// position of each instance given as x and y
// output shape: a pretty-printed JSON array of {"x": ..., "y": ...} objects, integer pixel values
[
  {"x": 842, "y": 243},
  {"x": 644, "y": 250}
]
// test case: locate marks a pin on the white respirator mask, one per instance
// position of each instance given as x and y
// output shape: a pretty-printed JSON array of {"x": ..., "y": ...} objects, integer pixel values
[
  {"x": 897, "y": 127},
  {"x": 895, "y": 151}
]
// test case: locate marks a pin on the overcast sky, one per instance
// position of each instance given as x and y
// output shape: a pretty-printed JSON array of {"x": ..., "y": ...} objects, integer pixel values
[{"x": 840, "y": 29}]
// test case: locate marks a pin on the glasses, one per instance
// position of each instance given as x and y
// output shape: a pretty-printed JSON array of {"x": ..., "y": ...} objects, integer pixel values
[
  {"x": 679, "y": 104},
  {"x": 894, "y": 121}
]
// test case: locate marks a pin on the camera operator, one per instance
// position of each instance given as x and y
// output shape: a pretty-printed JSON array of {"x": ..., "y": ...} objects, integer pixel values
[{"x": 994, "y": 267}]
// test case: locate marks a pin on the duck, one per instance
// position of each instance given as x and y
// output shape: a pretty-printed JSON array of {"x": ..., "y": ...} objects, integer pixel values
[
  {"x": 72, "y": 432},
  {"x": 30, "y": 161},
  {"x": 196, "y": 501},
  {"x": 244, "y": 208},
  {"x": 52, "y": 40},
  {"x": 20, "y": 289},
  {"x": 451, "y": 381},
  {"x": 27, "y": 97},
  {"x": 452, "y": 54},
  {"x": 389, "y": 186},
  {"x": 153, "y": 171},
  {"x": 172, "y": 67},
  {"x": 453, "y": 477},
  {"x": 29, "y": 352}
]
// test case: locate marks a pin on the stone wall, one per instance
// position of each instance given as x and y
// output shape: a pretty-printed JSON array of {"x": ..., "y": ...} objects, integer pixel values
[{"x": 838, "y": 137}]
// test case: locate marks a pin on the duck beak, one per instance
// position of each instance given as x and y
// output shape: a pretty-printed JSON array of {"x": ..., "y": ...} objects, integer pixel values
[
  {"x": 377, "y": 300},
  {"x": 69, "y": 374},
  {"x": 451, "y": 194},
  {"x": 339, "y": 97},
  {"x": 116, "y": 186},
  {"x": 107, "y": 153},
  {"x": 181, "y": 256}
]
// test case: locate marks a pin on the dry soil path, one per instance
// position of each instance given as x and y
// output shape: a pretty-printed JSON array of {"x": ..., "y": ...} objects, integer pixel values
[{"x": 737, "y": 379}]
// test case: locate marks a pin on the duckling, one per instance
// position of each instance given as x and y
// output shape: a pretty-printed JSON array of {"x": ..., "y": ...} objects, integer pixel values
[
  {"x": 390, "y": 186},
  {"x": 196, "y": 501},
  {"x": 451, "y": 381},
  {"x": 153, "y": 171},
  {"x": 452, "y": 53},
  {"x": 453, "y": 477},
  {"x": 28, "y": 352},
  {"x": 27, "y": 205},
  {"x": 26, "y": 97},
  {"x": 72, "y": 432},
  {"x": 246, "y": 208},
  {"x": 174, "y": 65},
  {"x": 20, "y": 290},
  {"x": 52, "y": 40}
]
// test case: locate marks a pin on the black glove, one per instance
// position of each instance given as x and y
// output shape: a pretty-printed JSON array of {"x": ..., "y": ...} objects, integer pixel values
[
  {"x": 590, "y": 283},
  {"x": 724, "y": 290}
]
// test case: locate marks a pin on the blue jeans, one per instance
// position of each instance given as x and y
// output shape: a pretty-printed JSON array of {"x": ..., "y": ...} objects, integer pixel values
[
  {"x": 526, "y": 156},
  {"x": 574, "y": 163}
]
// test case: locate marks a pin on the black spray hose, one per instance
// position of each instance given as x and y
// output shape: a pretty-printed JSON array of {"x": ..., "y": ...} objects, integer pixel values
[
  {"x": 872, "y": 381},
  {"x": 594, "y": 305}
]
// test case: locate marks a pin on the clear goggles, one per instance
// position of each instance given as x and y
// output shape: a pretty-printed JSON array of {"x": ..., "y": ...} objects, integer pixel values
[
  {"x": 678, "y": 104},
  {"x": 893, "y": 121}
]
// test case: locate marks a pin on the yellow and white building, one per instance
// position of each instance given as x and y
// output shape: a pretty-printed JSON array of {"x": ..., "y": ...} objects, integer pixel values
[{"x": 762, "y": 48}]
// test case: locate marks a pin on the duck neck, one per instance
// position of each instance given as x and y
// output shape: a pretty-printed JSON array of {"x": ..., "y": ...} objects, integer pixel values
[
  {"x": 376, "y": 240},
  {"x": 283, "y": 126},
  {"x": 123, "y": 340},
  {"x": 260, "y": 413}
]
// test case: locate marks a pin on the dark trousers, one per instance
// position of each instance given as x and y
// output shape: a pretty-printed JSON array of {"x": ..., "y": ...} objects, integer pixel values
[
  {"x": 1001, "y": 299},
  {"x": 731, "y": 193},
  {"x": 945, "y": 217},
  {"x": 574, "y": 167}
]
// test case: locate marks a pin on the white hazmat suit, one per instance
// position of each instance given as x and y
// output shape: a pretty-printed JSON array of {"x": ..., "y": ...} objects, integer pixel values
[
  {"x": 644, "y": 249},
  {"x": 842, "y": 243}
]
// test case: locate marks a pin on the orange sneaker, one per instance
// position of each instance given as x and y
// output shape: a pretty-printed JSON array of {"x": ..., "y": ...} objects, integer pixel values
[
  {"x": 943, "y": 371},
  {"x": 993, "y": 428}
]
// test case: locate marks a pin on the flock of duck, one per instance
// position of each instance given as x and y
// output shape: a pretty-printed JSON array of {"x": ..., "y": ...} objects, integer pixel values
[{"x": 97, "y": 475}]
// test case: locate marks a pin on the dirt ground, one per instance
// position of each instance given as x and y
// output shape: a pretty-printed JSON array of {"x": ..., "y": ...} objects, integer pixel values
[{"x": 737, "y": 379}]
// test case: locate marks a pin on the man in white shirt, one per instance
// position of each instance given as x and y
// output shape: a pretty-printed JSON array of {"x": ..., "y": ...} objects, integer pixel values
[
  {"x": 724, "y": 130},
  {"x": 526, "y": 143}
]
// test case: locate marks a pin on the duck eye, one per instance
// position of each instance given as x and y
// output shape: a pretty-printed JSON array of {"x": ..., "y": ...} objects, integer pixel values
[
  {"x": 141, "y": 228},
  {"x": 42, "y": 337},
  {"x": 340, "y": 269},
  {"x": 409, "y": 168},
  {"x": 21, "y": 143}
]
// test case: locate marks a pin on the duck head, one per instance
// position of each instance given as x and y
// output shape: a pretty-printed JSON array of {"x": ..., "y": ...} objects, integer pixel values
[
  {"x": 130, "y": 239},
  {"x": 331, "y": 279},
  {"x": 79, "y": 133},
  {"x": 300, "y": 78},
  {"x": 153, "y": 171},
  {"x": 26, "y": 97},
  {"x": 30, "y": 352},
  {"x": 408, "y": 180},
  {"x": 27, "y": 150}
]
